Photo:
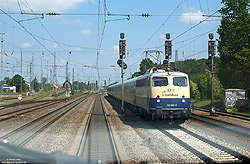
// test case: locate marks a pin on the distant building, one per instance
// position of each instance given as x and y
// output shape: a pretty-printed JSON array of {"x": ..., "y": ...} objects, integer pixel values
[{"x": 57, "y": 85}]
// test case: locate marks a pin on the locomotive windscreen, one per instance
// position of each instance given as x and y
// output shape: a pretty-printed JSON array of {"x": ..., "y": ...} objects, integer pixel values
[
  {"x": 160, "y": 81},
  {"x": 180, "y": 81}
]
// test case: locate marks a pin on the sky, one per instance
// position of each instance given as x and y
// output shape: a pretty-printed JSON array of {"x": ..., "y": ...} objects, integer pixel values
[{"x": 86, "y": 33}]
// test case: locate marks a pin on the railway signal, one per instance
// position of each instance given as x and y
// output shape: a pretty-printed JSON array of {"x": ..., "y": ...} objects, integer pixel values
[
  {"x": 210, "y": 63},
  {"x": 214, "y": 68},
  {"x": 122, "y": 64},
  {"x": 122, "y": 48},
  {"x": 168, "y": 50},
  {"x": 211, "y": 47},
  {"x": 168, "y": 47}
]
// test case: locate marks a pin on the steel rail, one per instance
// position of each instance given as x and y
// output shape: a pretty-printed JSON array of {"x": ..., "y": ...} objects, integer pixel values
[
  {"x": 234, "y": 115},
  {"x": 3, "y": 107},
  {"x": 202, "y": 156},
  {"x": 222, "y": 122},
  {"x": 47, "y": 124},
  {"x": 39, "y": 118},
  {"x": 237, "y": 133},
  {"x": 83, "y": 139},
  {"x": 111, "y": 135},
  {"x": 238, "y": 155},
  {"x": 25, "y": 110}
]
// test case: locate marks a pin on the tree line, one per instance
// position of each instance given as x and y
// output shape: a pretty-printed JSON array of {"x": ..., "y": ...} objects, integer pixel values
[{"x": 36, "y": 86}]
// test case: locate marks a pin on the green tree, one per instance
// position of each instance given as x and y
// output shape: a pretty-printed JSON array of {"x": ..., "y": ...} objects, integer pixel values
[
  {"x": 77, "y": 85},
  {"x": 194, "y": 91},
  {"x": 17, "y": 83},
  {"x": 234, "y": 44},
  {"x": 8, "y": 81},
  {"x": 203, "y": 86},
  {"x": 146, "y": 64},
  {"x": 35, "y": 85}
]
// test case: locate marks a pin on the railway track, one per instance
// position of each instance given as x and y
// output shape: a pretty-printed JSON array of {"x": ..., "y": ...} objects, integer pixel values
[
  {"x": 24, "y": 103},
  {"x": 233, "y": 115},
  {"x": 205, "y": 149},
  {"x": 224, "y": 125},
  {"x": 97, "y": 141},
  {"x": 6, "y": 114},
  {"x": 22, "y": 134},
  {"x": 238, "y": 131}
]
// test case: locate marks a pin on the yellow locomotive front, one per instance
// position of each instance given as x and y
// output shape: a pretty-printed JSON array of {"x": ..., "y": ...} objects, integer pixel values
[{"x": 170, "y": 95}]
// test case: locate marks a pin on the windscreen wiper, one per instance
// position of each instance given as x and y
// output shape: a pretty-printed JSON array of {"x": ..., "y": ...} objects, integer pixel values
[{"x": 177, "y": 83}]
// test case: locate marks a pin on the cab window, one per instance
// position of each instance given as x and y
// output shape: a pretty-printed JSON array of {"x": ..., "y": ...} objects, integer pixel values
[
  {"x": 180, "y": 81},
  {"x": 159, "y": 81}
]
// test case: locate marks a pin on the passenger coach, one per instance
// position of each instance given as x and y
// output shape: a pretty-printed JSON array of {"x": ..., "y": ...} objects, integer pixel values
[{"x": 160, "y": 93}]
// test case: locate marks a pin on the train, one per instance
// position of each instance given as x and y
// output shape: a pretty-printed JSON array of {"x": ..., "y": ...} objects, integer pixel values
[{"x": 162, "y": 92}]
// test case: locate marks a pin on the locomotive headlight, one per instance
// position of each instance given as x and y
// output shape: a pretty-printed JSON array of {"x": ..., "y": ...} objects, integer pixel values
[
  {"x": 183, "y": 99},
  {"x": 158, "y": 99}
]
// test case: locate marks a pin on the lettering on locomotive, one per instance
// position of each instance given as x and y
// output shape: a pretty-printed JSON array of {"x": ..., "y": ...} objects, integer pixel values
[{"x": 164, "y": 93}]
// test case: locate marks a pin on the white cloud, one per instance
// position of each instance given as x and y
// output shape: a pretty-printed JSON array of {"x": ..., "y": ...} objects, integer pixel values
[
  {"x": 116, "y": 49},
  {"x": 26, "y": 45},
  {"x": 44, "y": 5},
  {"x": 77, "y": 49},
  {"x": 73, "y": 22},
  {"x": 85, "y": 31},
  {"x": 54, "y": 46},
  {"x": 193, "y": 17},
  {"x": 162, "y": 37},
  {"x": 77, "y": 22}
]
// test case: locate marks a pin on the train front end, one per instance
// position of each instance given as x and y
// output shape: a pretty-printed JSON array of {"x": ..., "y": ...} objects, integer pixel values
[{"x": 170, "y": 95}]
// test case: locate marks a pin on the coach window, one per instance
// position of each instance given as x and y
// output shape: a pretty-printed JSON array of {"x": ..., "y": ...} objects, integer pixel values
[
  {"x": 180, "y": 81},
  {"x": 141, "y": 83},
  {"x": 159, "y": 81}
]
